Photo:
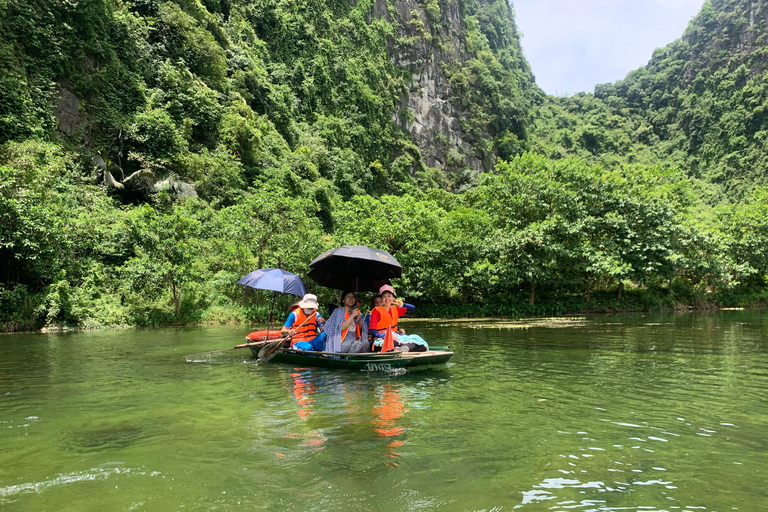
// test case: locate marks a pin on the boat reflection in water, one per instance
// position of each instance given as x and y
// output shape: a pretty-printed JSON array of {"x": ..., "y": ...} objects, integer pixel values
[
  {"x": 385, "y": 416},
  {"x": 335, "y": 412},
  {"x": 303, "y": 389}
]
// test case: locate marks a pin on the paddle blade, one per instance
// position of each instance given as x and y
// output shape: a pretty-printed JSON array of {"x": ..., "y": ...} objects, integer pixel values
[
  {"x": 389, "y": 342},
  {"x": 270, "y": 350}
]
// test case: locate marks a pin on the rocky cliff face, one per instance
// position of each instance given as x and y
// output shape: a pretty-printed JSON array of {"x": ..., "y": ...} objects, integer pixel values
[
  {"x": 424, "y": 45},
  {"x": 471, "y": 88},
  {"x": 725, "y": 34}
]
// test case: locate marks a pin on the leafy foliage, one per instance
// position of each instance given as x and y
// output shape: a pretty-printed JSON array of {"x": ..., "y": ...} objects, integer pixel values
[
  {"x": 699, "y": 104},
  {"x": 154, "y": 151}
]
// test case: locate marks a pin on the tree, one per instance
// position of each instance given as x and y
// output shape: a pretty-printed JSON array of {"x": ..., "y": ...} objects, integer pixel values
[
  {"x": 746, "y": 229},
  {"x": 164, "y": 246}
]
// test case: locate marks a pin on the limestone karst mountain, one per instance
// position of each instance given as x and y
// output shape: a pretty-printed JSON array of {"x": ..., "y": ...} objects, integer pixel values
[{"x": 414, "y": 88}]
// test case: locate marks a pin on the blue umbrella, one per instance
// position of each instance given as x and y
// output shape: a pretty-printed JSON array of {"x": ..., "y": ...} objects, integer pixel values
[{"x": 276, "y": 280}]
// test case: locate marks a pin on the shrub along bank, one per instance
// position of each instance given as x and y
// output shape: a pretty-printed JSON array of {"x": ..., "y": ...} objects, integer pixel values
[{"x": 536, "y": 236}]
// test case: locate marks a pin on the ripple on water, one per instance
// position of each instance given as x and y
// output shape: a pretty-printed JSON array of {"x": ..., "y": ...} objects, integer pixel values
[{"x": 102, "y": 472}]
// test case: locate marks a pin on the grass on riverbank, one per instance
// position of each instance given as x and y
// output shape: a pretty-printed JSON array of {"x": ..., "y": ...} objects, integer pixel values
[{"x": 73, "y": 313}]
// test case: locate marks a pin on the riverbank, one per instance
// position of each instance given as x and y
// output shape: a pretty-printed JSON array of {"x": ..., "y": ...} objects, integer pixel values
[{"x": 633, "y": 301}]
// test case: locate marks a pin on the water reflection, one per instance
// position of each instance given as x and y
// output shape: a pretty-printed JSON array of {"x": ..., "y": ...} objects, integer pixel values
[
  {"x": 303, "y": 389},
  {"x": 385, "y": 416},
  {"x": 387, "y": 412},
  {"x": 360, "y": 420}
]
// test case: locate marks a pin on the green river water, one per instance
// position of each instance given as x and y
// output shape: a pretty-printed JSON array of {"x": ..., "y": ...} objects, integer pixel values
[{"x": 631, "y": 412}]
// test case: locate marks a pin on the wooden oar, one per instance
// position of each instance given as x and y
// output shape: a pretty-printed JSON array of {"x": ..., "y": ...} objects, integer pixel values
[
  {"x": 236, "y": 347},
  {"x": 270, "y": 350}
]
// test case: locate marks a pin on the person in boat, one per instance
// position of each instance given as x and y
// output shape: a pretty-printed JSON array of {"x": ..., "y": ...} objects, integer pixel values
[
  {"x": 375, "y": 303},
  {"x": 346, "y": 331},
  {"x": 305, "y": 325},
  {"x": 384, "y": 318}
]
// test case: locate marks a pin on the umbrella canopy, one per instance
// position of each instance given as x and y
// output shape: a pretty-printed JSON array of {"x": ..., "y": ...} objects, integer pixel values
[
  {"x": 275, "y": 279},
  {"x": 355, "y": 267}
]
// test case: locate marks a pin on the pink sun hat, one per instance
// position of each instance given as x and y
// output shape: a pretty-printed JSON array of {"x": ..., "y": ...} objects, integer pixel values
[{"x": 387, "y": 288}]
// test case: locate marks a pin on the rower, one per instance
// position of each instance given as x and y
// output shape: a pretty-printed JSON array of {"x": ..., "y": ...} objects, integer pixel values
[{"x": 305, "y": 325}]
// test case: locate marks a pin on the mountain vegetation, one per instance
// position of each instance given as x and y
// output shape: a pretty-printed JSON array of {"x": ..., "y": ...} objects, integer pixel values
[
  {"x": 152, "y": 152},
  {"x": 699, "y": 104}
]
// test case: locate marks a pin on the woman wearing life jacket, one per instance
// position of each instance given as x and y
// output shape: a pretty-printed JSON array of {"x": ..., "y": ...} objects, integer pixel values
[
  {"x": 304, "y": 324},
  {"x": 383, "y": 324},
  {"x": 345, "y": 330}
]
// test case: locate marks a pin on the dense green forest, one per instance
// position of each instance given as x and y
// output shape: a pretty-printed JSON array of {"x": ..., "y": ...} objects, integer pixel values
[
  {"x": 699, "y": 104},
  {"x": 153, "y": 152}
]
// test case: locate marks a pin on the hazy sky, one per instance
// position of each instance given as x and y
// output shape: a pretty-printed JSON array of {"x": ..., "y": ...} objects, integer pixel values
[{"x": 574, "y": 45}]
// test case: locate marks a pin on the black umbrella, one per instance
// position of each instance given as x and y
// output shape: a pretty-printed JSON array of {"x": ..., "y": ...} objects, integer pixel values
[{"x": 355, "y": 267}]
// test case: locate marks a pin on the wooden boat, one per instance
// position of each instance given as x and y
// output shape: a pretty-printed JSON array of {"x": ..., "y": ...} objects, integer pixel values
[{"x": 376, "y": 361}]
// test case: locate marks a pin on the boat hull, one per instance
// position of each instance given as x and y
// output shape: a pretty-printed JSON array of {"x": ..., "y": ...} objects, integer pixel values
[{"x": 366, "y": 362}]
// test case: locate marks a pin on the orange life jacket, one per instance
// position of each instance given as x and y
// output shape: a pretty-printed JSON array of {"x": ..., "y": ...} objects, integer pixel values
[
  {"x": 388, "y": 323},
  {"x": 306, "y": 332},
  {"x": 344, "y": 334},
  {"x": 387, "y": 318}
]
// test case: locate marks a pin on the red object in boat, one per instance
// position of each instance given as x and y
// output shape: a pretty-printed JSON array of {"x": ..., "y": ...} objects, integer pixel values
[{"x": 264, "y": 335}]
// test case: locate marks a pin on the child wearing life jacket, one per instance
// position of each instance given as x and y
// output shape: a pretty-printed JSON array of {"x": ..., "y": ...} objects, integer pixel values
[{"x": 385, "y": 318}]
